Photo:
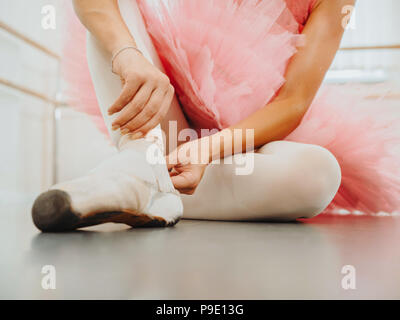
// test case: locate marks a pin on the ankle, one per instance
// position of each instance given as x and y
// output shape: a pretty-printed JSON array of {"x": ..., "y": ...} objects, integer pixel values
[{"x": 126, "y": 142}]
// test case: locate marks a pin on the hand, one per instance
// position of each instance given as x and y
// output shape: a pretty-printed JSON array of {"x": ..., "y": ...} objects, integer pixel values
[
  {"x": 146, "y": 95},
  {"x": 186, "y": 178},
  {"x": 187, "y": 167}
]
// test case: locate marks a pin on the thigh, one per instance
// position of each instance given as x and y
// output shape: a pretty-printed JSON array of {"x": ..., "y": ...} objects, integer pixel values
[
  {"x": 284, "y": 148},
  {"x": 134, "y": 21}
]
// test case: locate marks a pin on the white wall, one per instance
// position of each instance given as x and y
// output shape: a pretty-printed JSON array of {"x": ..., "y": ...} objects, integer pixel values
[
  {"x": 28, "y": 159},
  {"x": 25, "y": 122},
  {"x": 376, "y": 23}
]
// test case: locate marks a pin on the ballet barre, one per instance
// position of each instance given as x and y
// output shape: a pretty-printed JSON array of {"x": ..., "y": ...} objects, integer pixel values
[
  {"x": 52, "y": 101},
  {"x": 382, "y": 47}
]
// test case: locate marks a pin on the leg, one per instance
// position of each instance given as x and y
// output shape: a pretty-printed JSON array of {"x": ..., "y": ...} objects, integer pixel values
[
  {"x": 125, "y": 188},
  {"x": 134, "y": 21},
  {"x": 289, "y": 181}
]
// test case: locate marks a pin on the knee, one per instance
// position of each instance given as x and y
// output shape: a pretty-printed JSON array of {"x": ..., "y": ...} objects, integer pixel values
[{"x": 319, "y": 174}]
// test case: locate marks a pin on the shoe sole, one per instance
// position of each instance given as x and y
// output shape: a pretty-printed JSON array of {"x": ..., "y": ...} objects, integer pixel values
[{"x": 52, "y": 212}]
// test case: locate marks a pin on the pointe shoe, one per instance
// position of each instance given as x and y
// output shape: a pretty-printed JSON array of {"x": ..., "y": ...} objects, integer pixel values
[{"x": 123, "y": 189}]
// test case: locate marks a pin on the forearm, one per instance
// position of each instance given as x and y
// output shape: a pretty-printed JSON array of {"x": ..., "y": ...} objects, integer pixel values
[
  {"x": 304, "y": 76},
  {"x": 103, "y": 19},
  {"x": 273, "y": 122}
]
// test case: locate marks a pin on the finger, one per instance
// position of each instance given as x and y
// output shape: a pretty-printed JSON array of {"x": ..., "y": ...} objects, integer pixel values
[
  {"x": 129, "y": 90},
  {"x": 158, "y": 117},
  {"x": 172, "y": 160},
  {"x": 147, "y": 113},
  {"x": 170, "y": 165},
  {"x": 181, "y": 182},
  {"x": 122, "y": 81},
  {"x": 173, "y": 173},
  {"x": 176, "y": 170},
  {"x": 187, "y": 191},
  {"x": 135, "y": 106}
]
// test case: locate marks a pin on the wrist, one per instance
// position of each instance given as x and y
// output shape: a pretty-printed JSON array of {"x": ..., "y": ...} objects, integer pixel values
[
  {"x": 123, "y": 57},
  {"x": 119, "y": 42},
  {"x": 220, "y": 145},
  {"x": 207, "y": 149}
]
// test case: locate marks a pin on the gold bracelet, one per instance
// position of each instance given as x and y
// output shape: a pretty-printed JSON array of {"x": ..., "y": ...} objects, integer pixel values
[{"x": 119, "y": 51}]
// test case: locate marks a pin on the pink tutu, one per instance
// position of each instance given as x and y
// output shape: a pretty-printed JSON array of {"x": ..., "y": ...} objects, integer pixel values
[
  {"x": 227, "y": 59},
  {"x": 202, "y": 43}
]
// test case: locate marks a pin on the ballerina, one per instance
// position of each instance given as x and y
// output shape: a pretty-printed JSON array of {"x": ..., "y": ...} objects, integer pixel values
[{"x": 235, "y": 65}]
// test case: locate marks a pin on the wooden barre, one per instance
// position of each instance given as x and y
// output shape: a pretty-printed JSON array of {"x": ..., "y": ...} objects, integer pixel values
[
  {"x": 29, "y": 41},
  {"x": 385, "y": 47},
  {"x": 29, "y": 92}
]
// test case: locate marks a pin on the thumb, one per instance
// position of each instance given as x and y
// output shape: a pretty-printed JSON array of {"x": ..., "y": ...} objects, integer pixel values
[{"x": 181, "y": 181}]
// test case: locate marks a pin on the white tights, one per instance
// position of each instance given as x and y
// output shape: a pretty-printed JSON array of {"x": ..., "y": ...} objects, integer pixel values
[{"x": 289, "y": 181}]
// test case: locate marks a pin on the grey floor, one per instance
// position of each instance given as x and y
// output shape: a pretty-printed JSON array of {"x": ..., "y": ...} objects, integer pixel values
[{"x": 202, "y": 259}]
